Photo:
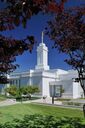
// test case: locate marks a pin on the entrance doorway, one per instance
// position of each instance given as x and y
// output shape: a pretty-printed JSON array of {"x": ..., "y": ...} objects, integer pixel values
[{"x": 56, "y": 90}]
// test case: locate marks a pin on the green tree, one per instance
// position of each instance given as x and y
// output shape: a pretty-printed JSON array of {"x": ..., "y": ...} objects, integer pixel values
[
  {"x": 32, "y": 89},
  {"x": 12, "y": 90}
]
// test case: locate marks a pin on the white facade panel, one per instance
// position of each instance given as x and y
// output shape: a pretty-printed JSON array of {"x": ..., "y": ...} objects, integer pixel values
[
  {"x": 75, "y": 90},
  {"x": 46, "y": 87}
]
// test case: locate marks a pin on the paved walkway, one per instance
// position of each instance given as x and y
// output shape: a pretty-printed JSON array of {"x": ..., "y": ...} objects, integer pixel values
[
  {"x": 78, "y": 101},
  {"x": 44, "y": 101},
  {"x": 47, "y": 101},
  {"x": 41, "y": 101},
  {"x": 8, "y": 102}
]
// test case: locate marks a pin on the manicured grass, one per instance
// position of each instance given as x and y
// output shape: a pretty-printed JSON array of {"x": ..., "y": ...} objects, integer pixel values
[{"x": 8, "y": 113}]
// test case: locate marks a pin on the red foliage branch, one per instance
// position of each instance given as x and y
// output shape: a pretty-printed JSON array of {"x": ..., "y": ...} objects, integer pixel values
[
  {"x": 12, "y": 15},
  {"x": 22, "y": 10},
  {"x": 9, "y": 49},
  {"x": 68, "y": 32}
]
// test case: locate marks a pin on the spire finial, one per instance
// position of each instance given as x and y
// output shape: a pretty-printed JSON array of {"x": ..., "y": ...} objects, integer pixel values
[{"x": 42, "y": 36}]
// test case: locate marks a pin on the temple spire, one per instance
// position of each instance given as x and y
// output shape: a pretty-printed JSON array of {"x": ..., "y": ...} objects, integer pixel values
[
  {"x": 42, "y": 55},
  {"x": 42, "y": 37}
]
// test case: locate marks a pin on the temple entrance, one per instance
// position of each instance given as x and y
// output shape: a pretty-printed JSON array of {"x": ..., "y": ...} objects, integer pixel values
[{"x": 55, "y": 90}]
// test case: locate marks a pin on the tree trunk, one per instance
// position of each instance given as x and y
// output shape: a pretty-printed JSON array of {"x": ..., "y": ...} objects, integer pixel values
[
  {"x": 81, "y": 76},
  {"x": 84, "y": 92},
  {"x": 84, "y": 110}
]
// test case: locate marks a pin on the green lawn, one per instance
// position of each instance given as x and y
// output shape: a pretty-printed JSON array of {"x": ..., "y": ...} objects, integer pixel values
[{"x": 8, "y": 113}]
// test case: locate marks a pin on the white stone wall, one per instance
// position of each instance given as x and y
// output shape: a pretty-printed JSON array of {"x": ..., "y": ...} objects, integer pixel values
[
  {"x": 47, "y": 77},
  {"x": 68, "y": 88},
  {"x": 45, "y": 86},
  {"x": 75, "y": 90},
  {"x": 42, "y": 57},
  {"x": 80, "y": 91}
]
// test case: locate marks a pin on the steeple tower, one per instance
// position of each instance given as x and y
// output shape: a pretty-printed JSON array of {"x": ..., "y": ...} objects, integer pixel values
[
  {"x": 42, "y": 55},
  {"x": 42, "y": 38}
]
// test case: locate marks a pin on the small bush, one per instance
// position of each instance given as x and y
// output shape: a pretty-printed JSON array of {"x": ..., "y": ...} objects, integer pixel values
[
  {"x": 62, "y": 99},
  {"x": 70, "y": 103},
  {"x": 39, "y": 121},
  {"x": 77, "y": 104}
]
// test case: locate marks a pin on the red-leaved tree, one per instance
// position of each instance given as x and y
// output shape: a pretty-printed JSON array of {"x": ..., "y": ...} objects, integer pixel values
[
  {"x": 67, "y": 31},
  {"x": 12, "y": 14}
]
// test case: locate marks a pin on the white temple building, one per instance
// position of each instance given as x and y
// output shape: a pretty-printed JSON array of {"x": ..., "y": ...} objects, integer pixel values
[{"x": 50, "y": 81}]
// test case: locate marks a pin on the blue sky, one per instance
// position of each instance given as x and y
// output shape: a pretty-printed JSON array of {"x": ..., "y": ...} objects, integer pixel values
[{"x": 34, "y": 27}]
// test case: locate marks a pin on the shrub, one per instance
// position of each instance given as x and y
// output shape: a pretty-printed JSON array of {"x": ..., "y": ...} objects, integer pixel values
[
  {"x": 40, "y": 121},
  {"x": 16, "y": 92},
  {"x": 73, "y": 103},
  {"x": 70, "y": 103},
  {"x": 77, "y": 104},
  {"x": 12, "y": 90}
]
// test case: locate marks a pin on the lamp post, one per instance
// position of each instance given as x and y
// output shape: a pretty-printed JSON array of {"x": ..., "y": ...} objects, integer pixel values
[
  {"x": 19, "y": 88},
  {"x": 19, "y": 82},
  {"x": 53, "y": 93}
]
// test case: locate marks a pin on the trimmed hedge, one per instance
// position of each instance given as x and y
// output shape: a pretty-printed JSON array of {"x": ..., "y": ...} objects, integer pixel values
[{"x": 39, "y": 121}]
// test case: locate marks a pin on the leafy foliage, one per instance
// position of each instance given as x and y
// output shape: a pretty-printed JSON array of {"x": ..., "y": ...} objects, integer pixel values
[
  {"x": 15, "y": 91},
  {"x": 16, "y": 13},
  {"x": 39, "y": 121},
  {"x": 9, "y": 49},
  {"x": 32, "y": 89},
  {"x": 12, "y": 90},
  {"x": 68, "y": 33},
  {"x": 12, "y": 15}
]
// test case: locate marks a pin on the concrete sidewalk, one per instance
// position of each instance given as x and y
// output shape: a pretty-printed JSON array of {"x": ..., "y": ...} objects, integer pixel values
[
  {"x": 43, "y": 101},
  {"x": 8, "y": 102},
  {"x": 47, "y": 102}
]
